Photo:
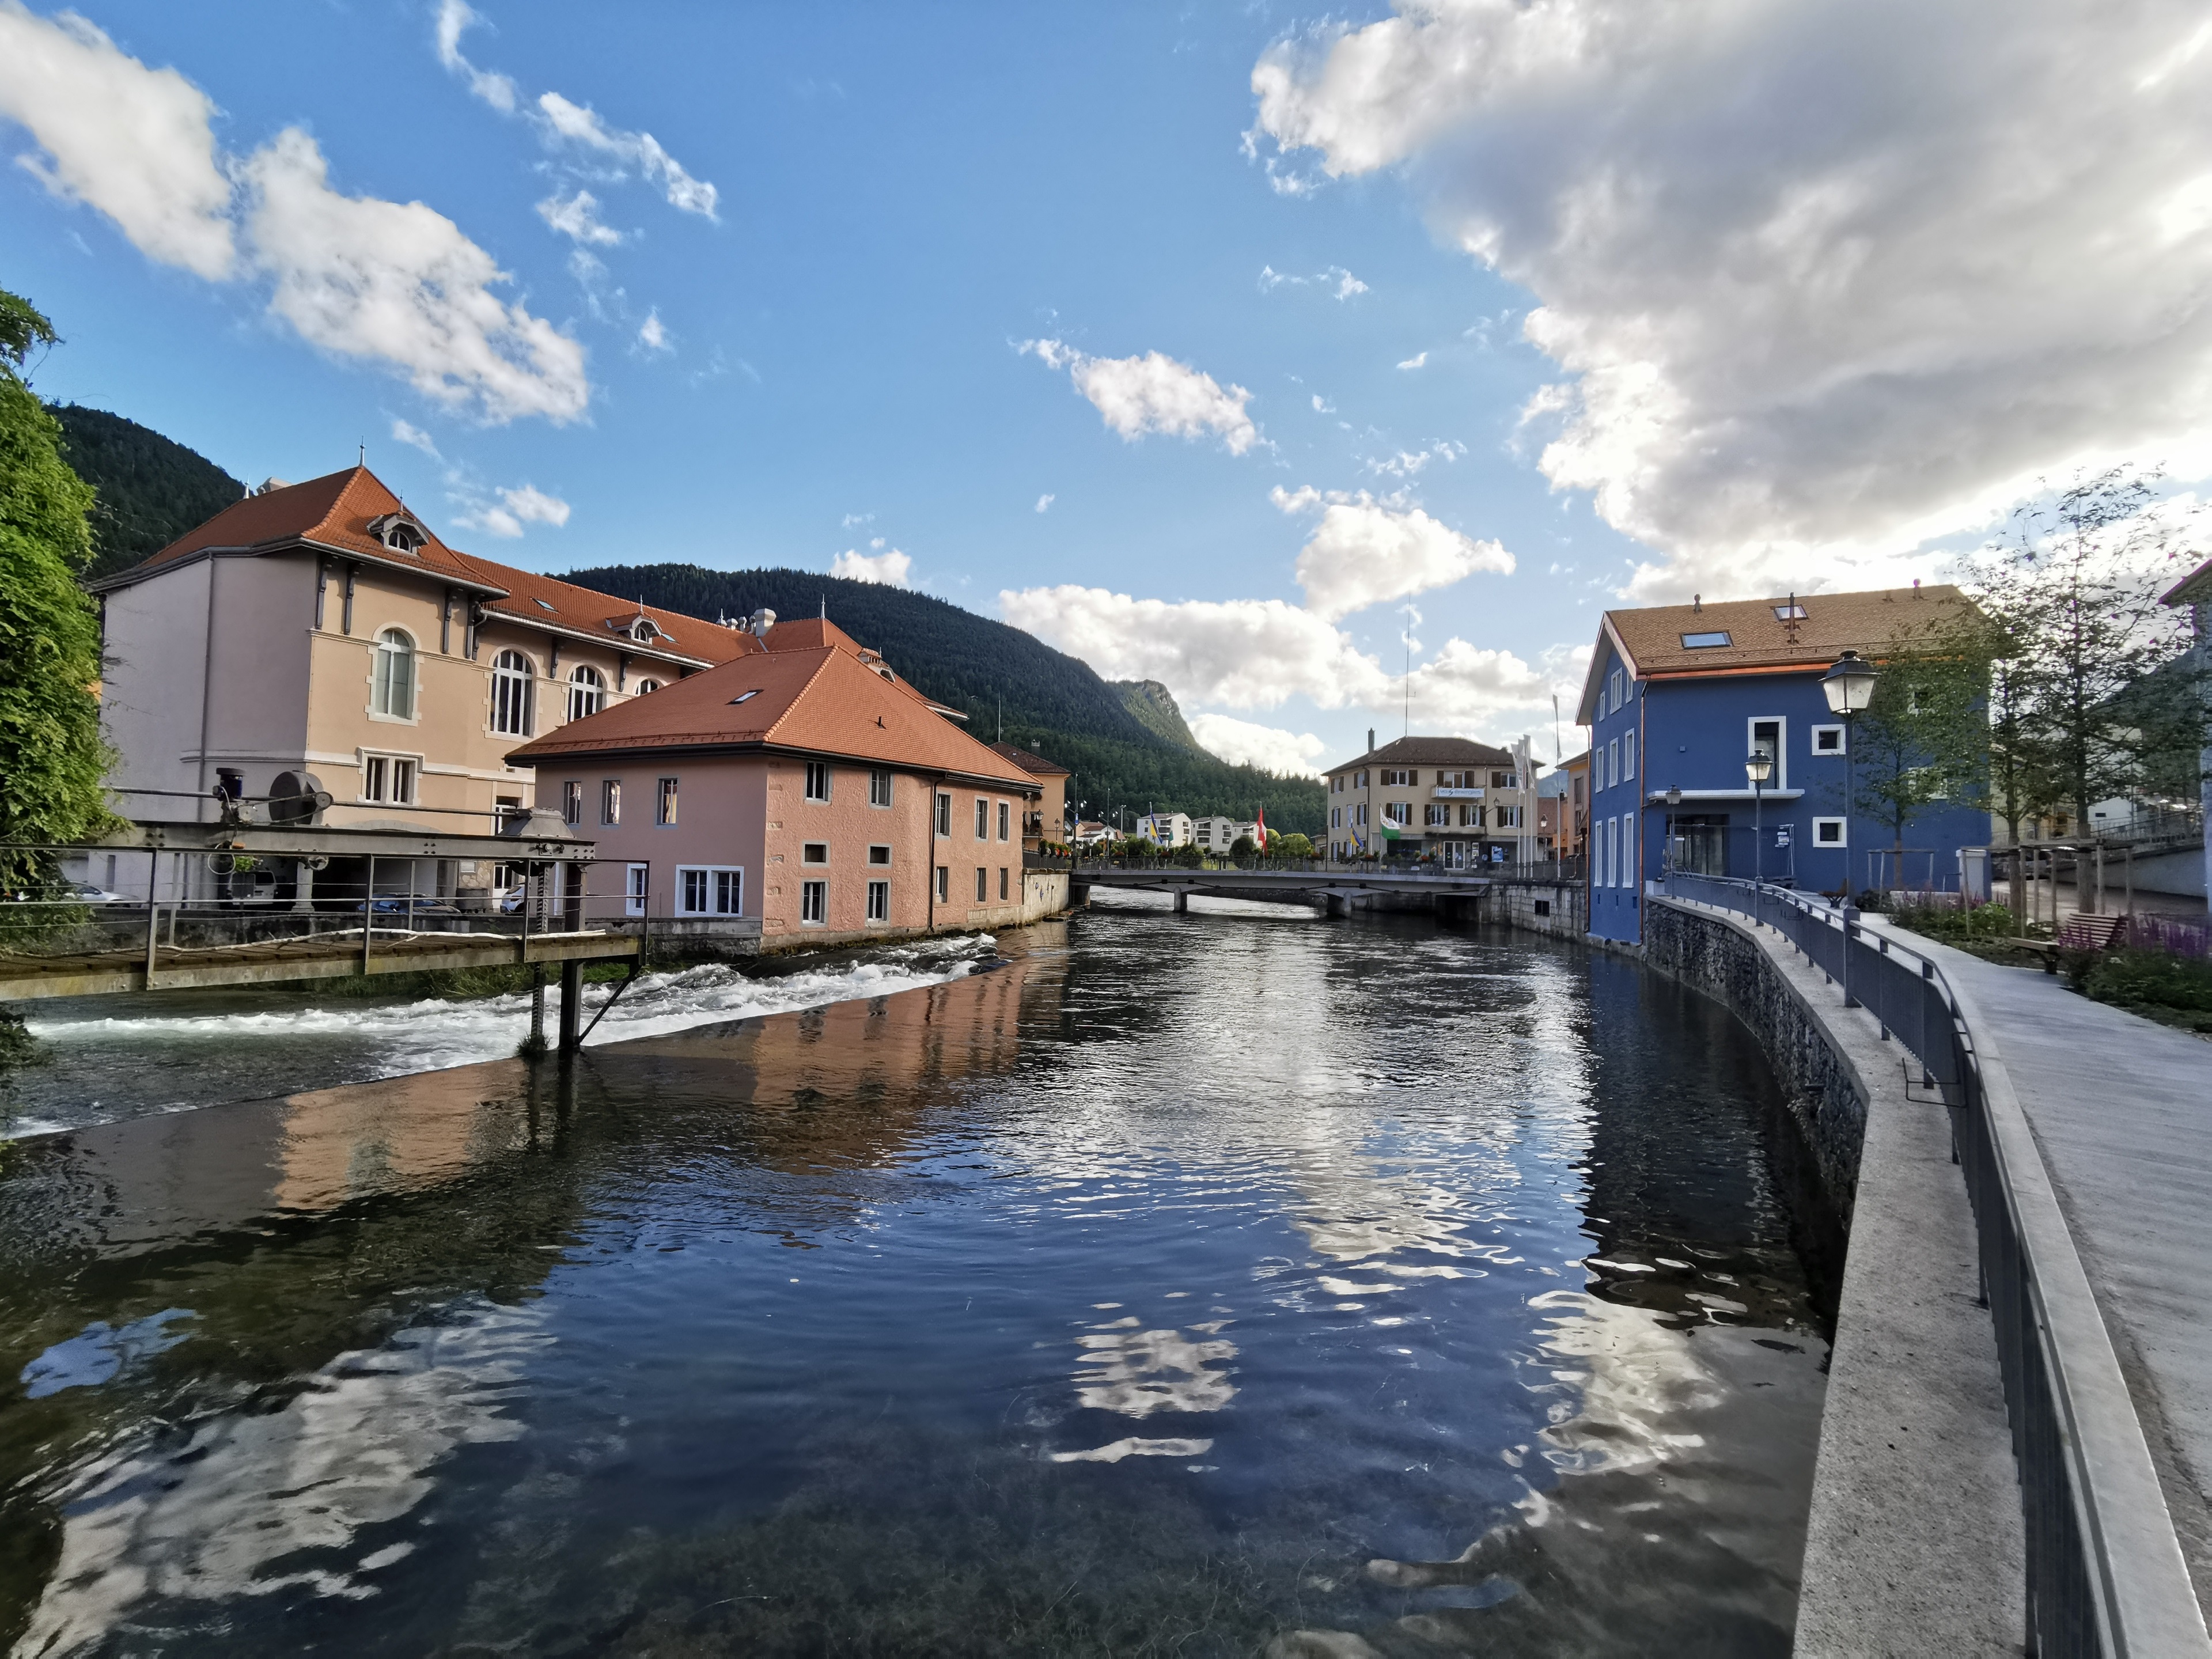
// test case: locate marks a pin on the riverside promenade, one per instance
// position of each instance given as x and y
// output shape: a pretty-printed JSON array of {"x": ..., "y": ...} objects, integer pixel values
[{"x": 2122, "y": 1111}]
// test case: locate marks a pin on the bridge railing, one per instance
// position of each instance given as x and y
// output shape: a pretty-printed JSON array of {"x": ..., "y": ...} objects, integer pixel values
[{"x": 2088, "y": 1593}]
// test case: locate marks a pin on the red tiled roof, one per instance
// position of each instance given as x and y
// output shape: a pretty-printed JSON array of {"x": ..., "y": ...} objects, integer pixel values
[
  {"x": 822, "y": 700},
  {"x": 1428, "y": 751},
  {"x": 548, "y": 602},
  {"x": 1030, "y": 761}
]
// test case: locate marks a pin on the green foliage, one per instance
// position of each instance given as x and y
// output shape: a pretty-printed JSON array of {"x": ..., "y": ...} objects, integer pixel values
[
  {"x": 2147, "y": 981},
  {"x": 149, "y": 490},
  {"x": 1050, "y": 703},
  {"x": 1923, "y": 739},
  {"x": 52, "y": 759},
  {"x": 1154, "y": 708},
  {"x": 22, "y": 326},
  {"x": 1982, "y": 921},
  {"x": 1294, "y": 846}
]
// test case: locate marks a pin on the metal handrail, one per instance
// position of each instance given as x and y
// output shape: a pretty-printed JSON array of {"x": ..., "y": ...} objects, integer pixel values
[{"x": 2105, "y": 1572}]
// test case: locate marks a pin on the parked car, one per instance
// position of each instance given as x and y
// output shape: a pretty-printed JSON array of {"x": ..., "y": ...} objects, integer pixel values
[{"x": 85, "y": 893}]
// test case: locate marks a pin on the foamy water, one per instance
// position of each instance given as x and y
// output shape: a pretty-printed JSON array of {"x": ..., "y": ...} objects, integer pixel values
[{"x": 98, "y": 1066}]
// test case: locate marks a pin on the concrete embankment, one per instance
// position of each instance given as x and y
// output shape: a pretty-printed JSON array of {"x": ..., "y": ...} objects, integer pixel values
[{"x": 1915, "y": 1543}]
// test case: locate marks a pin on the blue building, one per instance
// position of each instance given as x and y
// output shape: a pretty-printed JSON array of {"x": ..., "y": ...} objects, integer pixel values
[{"x": 1678, "y": 696}]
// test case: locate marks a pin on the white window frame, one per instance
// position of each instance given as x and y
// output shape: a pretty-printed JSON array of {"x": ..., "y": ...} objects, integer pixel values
[
  {"x": 879, "y": 899},
  {"x": 1843, "y": 740},
  {"x": 637, "y": 886},
  {"x": 1613, "y": 763},
  {"x": 880, "y": 786},
  {"x": 1006, "y": 812},
  {"x": 586, "y": 695},
  {"x": 513, "y": 694},
  {"x": 571, "y": 802},
  {"x": 1843, "y": 828},
  {"x": 668, "y": 801},
  {"x": 391, "y": 762},
  {"x": 814, "y": 896},
  {"x": 944, "y": 883},
  {"x": 383, "y": 682},
  {"x": 712, "y": 890},
  {"x": 982, "y": 883},
  {"x": 609, "y": 802},
  {"x": 1628, "y": 757},
  {"x": 818, "y": 776},
  {"x": 1781, "y": 725}
]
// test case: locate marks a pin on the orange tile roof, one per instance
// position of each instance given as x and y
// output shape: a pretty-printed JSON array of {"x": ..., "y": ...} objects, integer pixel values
[
  {"x": 335, "y": 512},
  {"x": 822, "y": 700},
  {"x": 1876, "y": 623},
  {"x": 1030, "y": 761}
]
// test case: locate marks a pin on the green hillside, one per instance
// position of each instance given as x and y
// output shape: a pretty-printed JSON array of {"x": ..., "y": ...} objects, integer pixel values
[
  {"x": 1156, "y": 709},
  {"x": 1050, "y": 701},
  {"x": 149, "y": 489}
]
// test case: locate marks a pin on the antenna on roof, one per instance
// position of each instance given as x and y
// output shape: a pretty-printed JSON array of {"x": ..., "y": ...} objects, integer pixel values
[
  {"x": 1791, "y": 621},
  {"x": 364, "y": 452},
  {"x": 825, "y": 607}
]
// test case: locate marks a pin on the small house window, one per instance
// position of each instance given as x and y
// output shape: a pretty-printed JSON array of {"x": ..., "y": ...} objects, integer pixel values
[
  {"x": 708, "y": 891},
  {"x": 1829, "y": 832},
  {"x": 944, "y": 883},
  {"x": 664, "y": 806},
  {"x": 1827, "y": 739},
  {"x": 388, "y": 778},
  {"x": 944, "y": 815},
  {"x": 1704, "y": 642},
  {"x": 1002, "y": 883},
  {"x": 572, "y": 803},
  {"x": 635, "y": 879},
  {"x": 391, "y": 687},
  {"x": 1789, "y": 613},
  {"x": 1003, "y": 810},
  {"x": 982, "y": 884},
  {"x": 879, "y": 901},
  {"x": 817, "y": 781},
  {"x": 587, "y": 693},
  {"x": 982, "y": 820},
  {"x": 610, "y": 801},
  {"x": 644, "y": 686},
  {"x": 814, "y": 902},
  {"x": 879, "y": 788},
  {"x": 879, "y": 855},
  {"x": 814, "y": 852}
]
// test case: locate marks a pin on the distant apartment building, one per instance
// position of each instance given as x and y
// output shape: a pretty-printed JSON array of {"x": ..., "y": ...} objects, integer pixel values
[
  {"x": 1462, "y": 803},
  {"x": 1169, "y": 829},
  {"x": 1678, "y": 696},
  {"x": 803, "y": 789}
]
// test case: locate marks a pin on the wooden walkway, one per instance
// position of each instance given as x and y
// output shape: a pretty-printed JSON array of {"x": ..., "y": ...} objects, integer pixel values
[
  {"x": 2122, "y": 1110},
  {"x": 322, "y": 956}
]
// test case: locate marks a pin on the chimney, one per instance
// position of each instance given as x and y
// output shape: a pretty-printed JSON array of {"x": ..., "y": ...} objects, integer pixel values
[
  {"x": 1370, "y": 740},
  {"x": 1696, "y": 605}
]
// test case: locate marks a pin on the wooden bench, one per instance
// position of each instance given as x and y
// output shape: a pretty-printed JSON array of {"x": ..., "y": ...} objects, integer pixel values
[{"x": 2086, "y": 932}]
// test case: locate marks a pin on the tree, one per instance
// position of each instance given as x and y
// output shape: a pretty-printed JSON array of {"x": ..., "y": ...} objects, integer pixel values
[
  {"x": 1294, "y": 846},
  {"x": 52, "y": 759},
  {"x": 1925, "y": 738}
]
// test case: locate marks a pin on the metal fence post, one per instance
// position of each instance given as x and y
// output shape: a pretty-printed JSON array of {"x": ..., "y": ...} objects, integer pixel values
[{"x": 368, "y": 912}]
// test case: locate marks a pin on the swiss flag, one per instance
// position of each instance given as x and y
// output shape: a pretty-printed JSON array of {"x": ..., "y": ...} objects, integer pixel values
[{"x": 1261, "y": 823}]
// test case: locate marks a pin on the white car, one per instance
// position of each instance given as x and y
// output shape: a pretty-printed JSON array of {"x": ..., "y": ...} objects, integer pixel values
[{"x": 85, "y": 893}]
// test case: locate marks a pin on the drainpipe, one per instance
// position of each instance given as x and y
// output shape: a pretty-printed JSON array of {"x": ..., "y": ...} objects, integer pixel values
[
  {"x": 929, "y": 868},
  {"x": 207, "y": 680}
]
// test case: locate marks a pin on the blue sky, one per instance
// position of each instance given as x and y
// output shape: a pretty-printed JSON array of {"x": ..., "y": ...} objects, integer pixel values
[{"x": 832, "y": 361}]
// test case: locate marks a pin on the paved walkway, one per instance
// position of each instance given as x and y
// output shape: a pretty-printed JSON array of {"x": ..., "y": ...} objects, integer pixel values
[{"x": 2122, "y": 1110}]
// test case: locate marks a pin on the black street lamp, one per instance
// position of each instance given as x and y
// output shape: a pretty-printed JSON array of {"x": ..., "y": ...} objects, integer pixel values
[
  {"x": 1759, "y": 767},
  {"x": 1849, "y": 687}
]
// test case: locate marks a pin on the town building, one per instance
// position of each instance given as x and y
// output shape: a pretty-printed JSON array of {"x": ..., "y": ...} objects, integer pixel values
[
  {"x": 1677, "y": 699},
  {"x": 1164, "y": 828},
  {"x": 1574, "y": 815},
  {"x": 800, "y": 794},
  {"x": 1089, "y": 832},
  {"x": 1046, "y": 824},
  {"x": 1462, "y": 803},
  {"x": 1215, "y": 835},
  {"x": 321, "y": 635}
]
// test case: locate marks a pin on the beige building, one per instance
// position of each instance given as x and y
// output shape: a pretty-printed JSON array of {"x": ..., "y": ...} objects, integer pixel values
[
  {"x": 1462, "y": 803},
  {"x": 321, "y": 629}
]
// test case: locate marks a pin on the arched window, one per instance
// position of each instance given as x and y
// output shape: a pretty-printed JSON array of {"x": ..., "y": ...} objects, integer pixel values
[
  {"x": 391, "y": 685},
  {"x": 587, "y": 693},
  {"x": 644, "y": 686},
  {"x": 511, "y": 680}
]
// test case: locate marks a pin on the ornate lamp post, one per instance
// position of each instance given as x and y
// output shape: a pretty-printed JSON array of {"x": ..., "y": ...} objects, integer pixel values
[
  {"x": 1673, "y": 801},
  {"x": 1849, "y": 687},
  {"x": 1759, "y": 767}
]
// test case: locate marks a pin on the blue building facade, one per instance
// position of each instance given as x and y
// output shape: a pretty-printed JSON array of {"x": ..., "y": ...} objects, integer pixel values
[{"x": 1678, "y": 696}]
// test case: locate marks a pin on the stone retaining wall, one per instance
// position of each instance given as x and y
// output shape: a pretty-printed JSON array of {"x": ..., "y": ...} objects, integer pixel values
[
  {"x": 1824, "y": 1093},
  {"x": 1561, "y": 915}
]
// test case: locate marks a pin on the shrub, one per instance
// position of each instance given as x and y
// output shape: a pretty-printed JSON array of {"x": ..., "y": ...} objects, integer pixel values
[{"x": 2129, "y": 977}]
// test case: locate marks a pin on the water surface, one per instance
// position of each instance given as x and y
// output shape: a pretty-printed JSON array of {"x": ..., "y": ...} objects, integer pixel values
[{"x": 1193, "y": 1285}]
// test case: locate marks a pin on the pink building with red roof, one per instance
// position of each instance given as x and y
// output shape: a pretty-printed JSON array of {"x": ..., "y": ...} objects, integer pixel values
[{"x": 803, "y": 793}]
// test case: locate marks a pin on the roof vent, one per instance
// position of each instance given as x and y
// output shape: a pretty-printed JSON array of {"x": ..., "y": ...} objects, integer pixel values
[
  {"x": 759, "y": 622},
  {"x": 269, "y": 485}
]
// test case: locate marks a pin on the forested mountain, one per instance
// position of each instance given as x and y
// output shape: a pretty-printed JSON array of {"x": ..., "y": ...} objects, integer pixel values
[
  {"x": 1156, "y": 709},
  {"x": 1048, "y": 700},
  {"x": 149, "y": 489}
]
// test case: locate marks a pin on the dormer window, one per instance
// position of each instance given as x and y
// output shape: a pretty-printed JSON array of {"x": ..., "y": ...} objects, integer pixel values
[
  {"x": 400, "y": 532},
  {"x": 643, "y": 631}
]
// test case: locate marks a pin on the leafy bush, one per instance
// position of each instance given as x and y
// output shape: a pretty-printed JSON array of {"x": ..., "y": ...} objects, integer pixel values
[
  {"x": 1949, "y": 922},
  {"x": 2130, "y": 978}
]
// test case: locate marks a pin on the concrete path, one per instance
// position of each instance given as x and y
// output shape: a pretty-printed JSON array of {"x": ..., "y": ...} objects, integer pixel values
[{"x": 2122, "y": 1111}]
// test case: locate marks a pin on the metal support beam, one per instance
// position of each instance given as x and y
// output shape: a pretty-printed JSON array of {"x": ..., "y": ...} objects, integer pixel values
[{"x": 572, "y": 1007}]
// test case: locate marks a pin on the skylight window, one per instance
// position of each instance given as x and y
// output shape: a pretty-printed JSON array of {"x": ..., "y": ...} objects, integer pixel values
[
  {"x": 1705, "y": 641},
  {"x": 1790, "y": 613},
  {"x": 544, "y": 605},
  {"x": 744, "y": 696}
]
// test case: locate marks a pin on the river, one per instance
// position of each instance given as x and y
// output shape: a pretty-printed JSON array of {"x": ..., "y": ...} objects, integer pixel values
[{"x": 1204, "y": 1285}]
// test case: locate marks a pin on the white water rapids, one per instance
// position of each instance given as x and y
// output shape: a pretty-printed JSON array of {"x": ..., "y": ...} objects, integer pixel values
[{"x": 123, "y": 1057}]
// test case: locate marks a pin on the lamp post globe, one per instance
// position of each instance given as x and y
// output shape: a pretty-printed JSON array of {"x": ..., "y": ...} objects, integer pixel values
[{"x": 1758, "y": 766}]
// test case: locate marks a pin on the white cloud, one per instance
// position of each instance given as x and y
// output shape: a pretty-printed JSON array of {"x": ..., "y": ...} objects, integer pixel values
[
  {"x": 1364, "y": 552},
  {"x": 410, "y": 434},
  {"x": 133, "y": 142},
  {"x": 1829, "y": 278},
  {"x": 368, "y": 279},
  {"x": 1322, "y": 406},
  {"x": 1415, "y": 360},
  {"x": 1240, "y": 742},
  {"x": 890, "y": 568},
  {"x": 578, "y": 216},
  {"x": 353, "y": 275},
  {"x": 652, "y": 333},
  {"x": 1336, "y": 277},
  {"x": 579, "y": 124},
  {"x": 1154, "y": 393},
  {"x": 852, "y": 519},
  {"x": 1044, "y": 502},
  {"x": 1407, "y": 462},
  {"x": 507, "y": 516},
  {"x": 454, "y": 16}
]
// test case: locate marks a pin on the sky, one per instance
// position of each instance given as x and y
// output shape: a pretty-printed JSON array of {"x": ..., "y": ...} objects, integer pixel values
[{"x": 1265, "y": 352}]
